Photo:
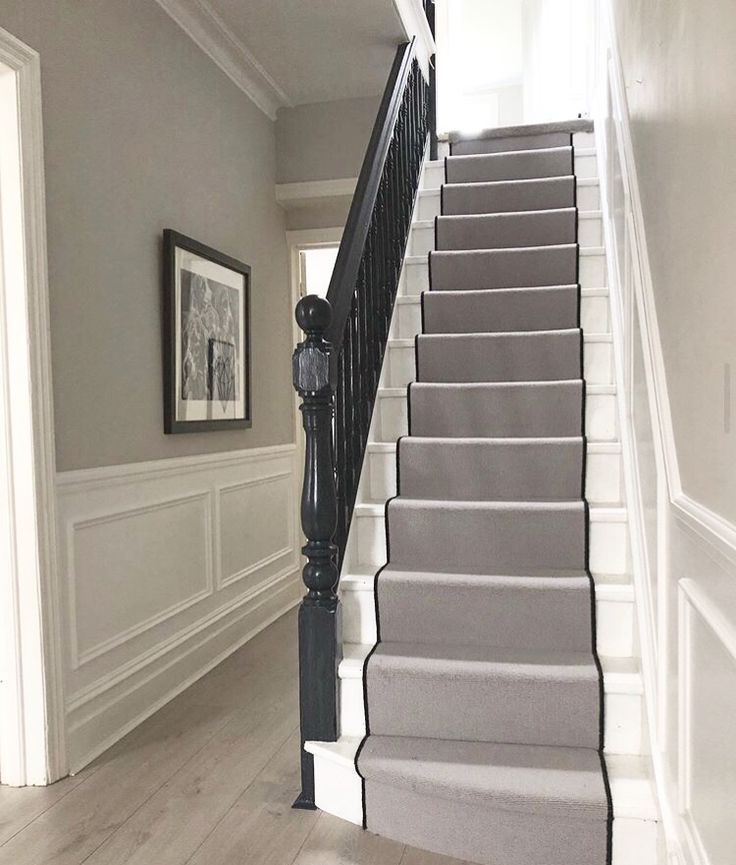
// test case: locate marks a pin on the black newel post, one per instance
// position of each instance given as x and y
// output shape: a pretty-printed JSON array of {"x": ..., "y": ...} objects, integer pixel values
[{"x": 319, "y": 650}]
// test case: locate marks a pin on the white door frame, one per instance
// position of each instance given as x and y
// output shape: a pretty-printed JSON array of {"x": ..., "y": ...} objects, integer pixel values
[
  {"x": 32, "y": 735},
  {"x": 308, "y": 238}
]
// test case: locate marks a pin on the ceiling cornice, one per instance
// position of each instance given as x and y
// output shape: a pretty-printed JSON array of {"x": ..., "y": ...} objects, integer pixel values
[{"x": 205, "y": 27}]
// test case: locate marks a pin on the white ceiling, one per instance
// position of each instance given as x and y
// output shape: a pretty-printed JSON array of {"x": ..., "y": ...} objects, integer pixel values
[{"x": 292, "y": 52}]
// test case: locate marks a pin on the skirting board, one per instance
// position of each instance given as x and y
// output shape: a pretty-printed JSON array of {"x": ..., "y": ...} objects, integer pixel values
[{"x": 168, "y": 567}]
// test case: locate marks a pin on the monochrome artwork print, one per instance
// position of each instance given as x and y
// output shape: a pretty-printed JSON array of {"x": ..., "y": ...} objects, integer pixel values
[
  {"x": 210, "y": 336},
  {"x": 210, "y": 343}
]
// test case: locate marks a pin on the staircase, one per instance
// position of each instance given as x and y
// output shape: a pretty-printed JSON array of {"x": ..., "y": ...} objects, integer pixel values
[{"x": 489, "y": 646}]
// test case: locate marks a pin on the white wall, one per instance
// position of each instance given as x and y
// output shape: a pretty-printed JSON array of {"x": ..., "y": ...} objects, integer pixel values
[
  {"x": 684, "y": 552},
  {"x": 480, "y": 63}
]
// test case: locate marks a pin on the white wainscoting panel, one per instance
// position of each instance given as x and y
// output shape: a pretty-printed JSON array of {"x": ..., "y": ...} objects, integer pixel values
[
  {"x": 168, "y": 567},
  {"x": 684, "y": 555}
]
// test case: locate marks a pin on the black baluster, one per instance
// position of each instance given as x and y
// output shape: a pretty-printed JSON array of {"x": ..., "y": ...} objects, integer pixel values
[{"x": 319, "y": 613}]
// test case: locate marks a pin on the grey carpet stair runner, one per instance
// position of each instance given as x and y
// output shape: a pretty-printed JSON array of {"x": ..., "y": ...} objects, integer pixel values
[{"x": 483, "y": 695}]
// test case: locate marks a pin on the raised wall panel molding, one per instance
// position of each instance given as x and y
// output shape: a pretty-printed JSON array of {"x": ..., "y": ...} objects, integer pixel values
[
  {"x": 287, "y": 549},
  {"x": 79, "y": 658},
  {"x": 205, "y": 27},
  {"x": 693, "y": 605},
  {"x": 200, "y": 544},
  {"x": 709, "y": 527},
  {"x": 114, "y": 704}
]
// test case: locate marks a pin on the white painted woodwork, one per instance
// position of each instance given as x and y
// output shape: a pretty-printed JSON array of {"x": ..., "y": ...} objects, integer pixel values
[
  {"x": 207, "y": 549},
  {"x": 32, "y": 736},
  {"x": 683, "y": 554},
  {"x": 635, "y": 825}
]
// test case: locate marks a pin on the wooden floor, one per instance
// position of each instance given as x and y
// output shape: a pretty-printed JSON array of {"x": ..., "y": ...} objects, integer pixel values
[{"x": 207, "y": 780}]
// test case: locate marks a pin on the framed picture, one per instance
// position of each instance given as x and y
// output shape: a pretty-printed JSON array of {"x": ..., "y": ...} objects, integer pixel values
[{"x": 206, "y": 338}]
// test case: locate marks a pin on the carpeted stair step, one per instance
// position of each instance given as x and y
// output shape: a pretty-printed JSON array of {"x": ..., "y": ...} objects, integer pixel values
[
  {"x": 488, "y": 803},
  {"x": 470, "y": 146},
  {"x": 518, "y": 165},
  {"x": 503, "y": 268},
  {"x": 484, "y": 694},
  {"x": 486, "y": 537},
  {"x": 507, "y": 196},
  {"x": 535, "y": 409},
  {"x": 506, "y": 230},
  {"x": 546, "y": 355},
  {"x": 512, "y": 309},
  {"x": 544, "y": 612},
  {"x": 491, "y": 469}
]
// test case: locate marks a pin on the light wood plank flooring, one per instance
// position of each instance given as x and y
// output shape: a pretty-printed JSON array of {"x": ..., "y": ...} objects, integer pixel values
[{"x": 207, "y": 780}]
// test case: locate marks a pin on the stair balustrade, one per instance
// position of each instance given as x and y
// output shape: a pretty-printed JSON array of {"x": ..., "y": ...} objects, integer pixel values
[{"x": 336, "y": 371}]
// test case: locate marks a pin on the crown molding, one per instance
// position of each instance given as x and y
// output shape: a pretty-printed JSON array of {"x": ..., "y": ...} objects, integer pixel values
[{"x": 205, "y": 27}]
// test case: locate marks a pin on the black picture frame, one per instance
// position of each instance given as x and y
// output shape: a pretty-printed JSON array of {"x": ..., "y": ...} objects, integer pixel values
[{"x": 223, "y": 366}]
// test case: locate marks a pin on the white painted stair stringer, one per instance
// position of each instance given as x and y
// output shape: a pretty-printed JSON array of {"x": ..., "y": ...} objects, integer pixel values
[{"x": 338, "y": 786}]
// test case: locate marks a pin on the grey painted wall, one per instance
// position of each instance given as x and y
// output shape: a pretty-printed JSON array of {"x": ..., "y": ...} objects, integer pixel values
[
  {"x": 142, "y": 132},
  {"x": 324, "y": 140},
  {"x": 680, "y": 71}
]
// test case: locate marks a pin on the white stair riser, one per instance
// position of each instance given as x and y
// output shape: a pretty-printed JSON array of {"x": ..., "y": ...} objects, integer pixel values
[
  {"x": 597, "y": 363},
  {"x": 609, "y": 547},
  {"x": 602, "y": 482},
  {"x": 339, "y": 791},
  {"x": 600, "y": 418},
  {"x": 583, "y": 139},
  {"x": 429, "y": 204},
  {"x": 614, "y": 622},
  {"x": 623, "y": 717},
  {"x": 415, "y": 277},
  {"x": 586, "y": 165},
  {"x": 636, "y": 841},
  {"x": 590, "y": 231},
  {"x": 433, "y": 175},
  {"x": 421, "y": 240},
  {"x": 593, "y": 316},
  {"x": 588, "y": 197},
  {"x": 608, "y": 543}
]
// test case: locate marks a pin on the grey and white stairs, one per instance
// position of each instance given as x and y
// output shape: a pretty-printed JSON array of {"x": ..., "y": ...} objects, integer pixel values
[{"x": 505, "y": 343}]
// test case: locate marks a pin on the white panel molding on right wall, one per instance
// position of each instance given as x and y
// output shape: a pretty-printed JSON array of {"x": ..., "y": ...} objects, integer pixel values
[{"x": 684, "y": 555}]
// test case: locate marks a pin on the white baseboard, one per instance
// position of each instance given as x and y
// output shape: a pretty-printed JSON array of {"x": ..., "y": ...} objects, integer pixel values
[{"x": 168, "y": 567}]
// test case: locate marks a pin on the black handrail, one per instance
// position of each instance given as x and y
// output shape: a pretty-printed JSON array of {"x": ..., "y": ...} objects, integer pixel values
[
  {"x": 336, "y": 371},
  {"x": 347, "y": 263}
]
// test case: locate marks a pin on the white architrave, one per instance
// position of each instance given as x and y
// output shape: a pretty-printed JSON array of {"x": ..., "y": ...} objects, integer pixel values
[{"x": 32, "y": 737}]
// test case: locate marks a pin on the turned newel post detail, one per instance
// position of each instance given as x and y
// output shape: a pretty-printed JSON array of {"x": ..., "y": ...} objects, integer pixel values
[{"x": 319, "y": 651}]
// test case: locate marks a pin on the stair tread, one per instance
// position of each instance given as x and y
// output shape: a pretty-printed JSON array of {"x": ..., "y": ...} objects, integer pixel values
[
  {"x": 597, "y": 513},
  {"x": 614, "y": 587},
  {"x": 613, "y": 447},
  {"x": 630, "y": 776},
  {"x": 528, "y": 778},
  {"x": 573, "y": 125}
]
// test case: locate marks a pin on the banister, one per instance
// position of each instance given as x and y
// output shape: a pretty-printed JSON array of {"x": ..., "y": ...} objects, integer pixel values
[
  {"x": 336, "y": 371},
  {"x": 347, "y": 263}
]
